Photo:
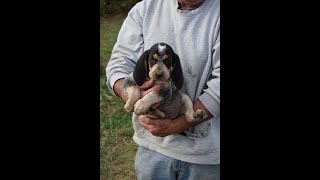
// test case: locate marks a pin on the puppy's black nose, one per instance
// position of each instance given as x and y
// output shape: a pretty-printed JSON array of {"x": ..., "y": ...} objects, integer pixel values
[{"x": 158, "y": 76}]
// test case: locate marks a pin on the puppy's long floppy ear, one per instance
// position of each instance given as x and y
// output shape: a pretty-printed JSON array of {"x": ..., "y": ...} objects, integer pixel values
[
  {"x": 141, "y": 71},
  {"x": 176, "y": 75}
]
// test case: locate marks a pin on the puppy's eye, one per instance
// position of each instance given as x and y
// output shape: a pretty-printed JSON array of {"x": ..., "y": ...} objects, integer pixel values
[
  {"x": 152, "y": 62},
  {"x": 167, "y": 63}
]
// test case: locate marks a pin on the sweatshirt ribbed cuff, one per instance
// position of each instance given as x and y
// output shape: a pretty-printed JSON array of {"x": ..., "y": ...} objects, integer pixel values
[
  {"x": 211, "y": 104},
  {"x": 113, "y": 79}
]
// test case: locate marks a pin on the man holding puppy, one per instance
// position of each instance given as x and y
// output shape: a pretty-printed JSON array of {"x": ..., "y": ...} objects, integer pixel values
[{"x": 192, "y": 29}]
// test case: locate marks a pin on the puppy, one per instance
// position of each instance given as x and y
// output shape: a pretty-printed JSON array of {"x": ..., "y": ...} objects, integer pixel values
[{"x": 161, "y": 64}]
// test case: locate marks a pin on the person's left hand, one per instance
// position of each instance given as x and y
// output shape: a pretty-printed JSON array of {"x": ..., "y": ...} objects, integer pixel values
[
  {"x": 164, "y": 127},
  {"x": 149, "y": 86}
]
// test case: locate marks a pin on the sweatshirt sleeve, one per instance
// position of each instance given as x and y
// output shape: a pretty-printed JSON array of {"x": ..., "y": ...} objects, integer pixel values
[
  {"x": 128, "y": 48},
  {"x": 211, "y": 96}
]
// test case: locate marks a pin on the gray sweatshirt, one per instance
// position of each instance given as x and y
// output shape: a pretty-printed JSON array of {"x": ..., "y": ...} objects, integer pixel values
[{"x": 195, "y": 36}]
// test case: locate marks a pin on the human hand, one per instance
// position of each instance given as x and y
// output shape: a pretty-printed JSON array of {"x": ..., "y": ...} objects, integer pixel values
[
  {"x": 164, "y": 127},
  {"x": 148, "y": 86}
]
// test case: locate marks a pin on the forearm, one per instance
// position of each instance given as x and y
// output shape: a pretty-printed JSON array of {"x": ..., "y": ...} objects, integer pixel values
[{"x": 119, "y": 90}]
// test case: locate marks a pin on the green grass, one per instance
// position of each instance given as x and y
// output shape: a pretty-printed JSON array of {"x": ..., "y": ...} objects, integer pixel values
[
  {"x": 117, "y": 149},
  {"x": 109, "y": 29}
]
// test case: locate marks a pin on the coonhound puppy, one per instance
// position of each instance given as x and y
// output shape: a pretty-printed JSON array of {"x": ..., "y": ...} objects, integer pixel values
[{"x": 161, "y": 64}]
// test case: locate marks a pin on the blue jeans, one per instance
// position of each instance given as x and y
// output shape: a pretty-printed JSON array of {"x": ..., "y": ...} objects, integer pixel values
[{"x": 150, "y": 165}]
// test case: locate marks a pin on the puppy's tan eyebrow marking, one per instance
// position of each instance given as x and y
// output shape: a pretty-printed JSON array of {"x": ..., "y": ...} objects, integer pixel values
[
  {"x": 155, "y": 56},
  {"x": 165, "y": 57}
]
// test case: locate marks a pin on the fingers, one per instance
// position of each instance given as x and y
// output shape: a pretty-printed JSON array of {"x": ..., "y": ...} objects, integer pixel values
[
  {"x": 154, "y": 88},
  {"x": 157, "y": 127},
  {"x": 147, "y": 84},
  {"x": 155, "y": 122}
]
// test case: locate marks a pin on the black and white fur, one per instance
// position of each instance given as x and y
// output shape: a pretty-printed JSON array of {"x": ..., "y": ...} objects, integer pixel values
[{"x": 161, "y": 64}]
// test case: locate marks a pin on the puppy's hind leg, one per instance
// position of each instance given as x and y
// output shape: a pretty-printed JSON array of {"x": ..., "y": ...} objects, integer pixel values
[
  {"x": 143, "y": 105},
  {"x": 155, "y": 113},
  {"x": 187, "y": 110}
]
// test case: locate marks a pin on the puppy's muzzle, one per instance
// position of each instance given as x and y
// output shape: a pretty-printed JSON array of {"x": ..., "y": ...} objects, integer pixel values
[
  {"x": 159, "y": 73},
  {"x": 158, "y": 76}
]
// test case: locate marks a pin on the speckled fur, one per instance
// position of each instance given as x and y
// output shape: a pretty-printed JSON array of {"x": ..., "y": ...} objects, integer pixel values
[{"x": 169, "y": 102}]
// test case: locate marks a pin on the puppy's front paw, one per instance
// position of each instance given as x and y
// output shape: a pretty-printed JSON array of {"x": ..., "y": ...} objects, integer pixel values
[
  {"x": 141, "y": 107},
  {"x": 129, "y": 107},
  {"x": 199, "y": 115}
]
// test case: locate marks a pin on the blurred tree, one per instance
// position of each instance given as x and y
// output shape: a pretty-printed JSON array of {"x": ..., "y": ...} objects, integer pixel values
[{"x": 108, "y": 7}]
